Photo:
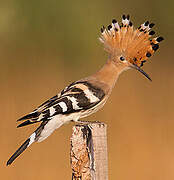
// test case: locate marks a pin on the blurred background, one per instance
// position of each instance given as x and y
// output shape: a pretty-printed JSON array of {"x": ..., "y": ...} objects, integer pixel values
[{"x": 45, "y": 45}]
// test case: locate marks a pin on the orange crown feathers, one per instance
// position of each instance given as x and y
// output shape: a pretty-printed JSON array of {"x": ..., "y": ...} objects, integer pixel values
[{"x": 136, "y": 45}]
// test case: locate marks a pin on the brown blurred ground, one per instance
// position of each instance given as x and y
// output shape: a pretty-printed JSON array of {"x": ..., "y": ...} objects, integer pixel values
[{"x": 47, "y": 44}]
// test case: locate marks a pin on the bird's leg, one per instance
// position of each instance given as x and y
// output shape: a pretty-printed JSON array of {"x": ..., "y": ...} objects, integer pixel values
[{"x": 82, "y": 122}]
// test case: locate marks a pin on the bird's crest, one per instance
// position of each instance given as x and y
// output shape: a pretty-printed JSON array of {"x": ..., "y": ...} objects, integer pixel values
[{"x": 135, "y": 44}]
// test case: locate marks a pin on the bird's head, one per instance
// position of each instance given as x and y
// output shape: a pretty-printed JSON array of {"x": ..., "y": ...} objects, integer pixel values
[{"x": 129, "y": 48}]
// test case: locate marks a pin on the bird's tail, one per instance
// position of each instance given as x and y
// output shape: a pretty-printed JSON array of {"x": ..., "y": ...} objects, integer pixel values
[
  {"x": 135, "y": 44},
  {"x": 34, "y": 137}
]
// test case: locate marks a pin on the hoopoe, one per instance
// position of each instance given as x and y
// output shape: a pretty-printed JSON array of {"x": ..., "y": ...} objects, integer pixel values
[{"x": 128, "y": 48}]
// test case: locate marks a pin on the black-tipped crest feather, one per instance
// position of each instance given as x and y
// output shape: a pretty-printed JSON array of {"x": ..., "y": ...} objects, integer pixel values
[{"x": 133, "y": 43}]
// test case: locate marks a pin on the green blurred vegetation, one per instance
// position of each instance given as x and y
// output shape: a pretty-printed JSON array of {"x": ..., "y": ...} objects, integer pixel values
[{"x": 47, "y": 44}]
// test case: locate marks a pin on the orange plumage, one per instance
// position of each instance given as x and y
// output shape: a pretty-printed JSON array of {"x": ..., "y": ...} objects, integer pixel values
[{"x": 136, "y": 45}]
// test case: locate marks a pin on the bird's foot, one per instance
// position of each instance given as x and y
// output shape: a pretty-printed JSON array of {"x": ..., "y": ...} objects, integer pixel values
[{"x": 80, "y": 122}]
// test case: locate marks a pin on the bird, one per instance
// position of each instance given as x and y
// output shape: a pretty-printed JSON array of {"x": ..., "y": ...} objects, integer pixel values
[{"x": 127, "y": 48}]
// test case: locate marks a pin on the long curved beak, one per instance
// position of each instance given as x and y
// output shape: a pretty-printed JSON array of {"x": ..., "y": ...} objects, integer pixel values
[{"x": 134, "y": 66}]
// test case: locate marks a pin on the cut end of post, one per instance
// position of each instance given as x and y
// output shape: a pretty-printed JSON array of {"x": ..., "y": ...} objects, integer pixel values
[{"x": 89, "y": 152}]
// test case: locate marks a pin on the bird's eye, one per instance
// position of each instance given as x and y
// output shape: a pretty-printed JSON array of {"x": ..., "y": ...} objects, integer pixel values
[{"x": 122, "y": 58}]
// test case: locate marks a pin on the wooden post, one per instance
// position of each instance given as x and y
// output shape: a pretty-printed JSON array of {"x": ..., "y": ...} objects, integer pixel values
[{"x": 88, "y": 153}]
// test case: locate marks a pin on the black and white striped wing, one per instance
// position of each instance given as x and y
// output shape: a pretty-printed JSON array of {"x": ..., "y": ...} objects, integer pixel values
[
  {"x": 41, "y": 113},
  {"x": 78, "y": 96}
]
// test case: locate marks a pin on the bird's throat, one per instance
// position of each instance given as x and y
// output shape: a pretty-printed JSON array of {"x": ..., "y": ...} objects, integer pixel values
[{"x": 108, "y": 74}]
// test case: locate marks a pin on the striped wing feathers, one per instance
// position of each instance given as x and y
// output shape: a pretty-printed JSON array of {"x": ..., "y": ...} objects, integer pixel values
[{"x": 80, "y": 95}]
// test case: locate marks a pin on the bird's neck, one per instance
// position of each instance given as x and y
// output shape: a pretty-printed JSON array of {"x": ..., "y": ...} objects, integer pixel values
[{"x": 108, "y": 74}]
